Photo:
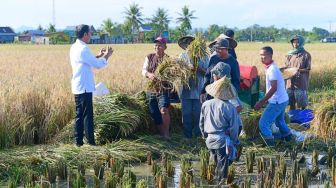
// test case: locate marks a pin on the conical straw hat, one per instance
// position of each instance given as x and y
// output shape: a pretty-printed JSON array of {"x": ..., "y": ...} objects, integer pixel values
[
  {"x": 222, "y": 89},
  {"x": 288, "y": 73}
]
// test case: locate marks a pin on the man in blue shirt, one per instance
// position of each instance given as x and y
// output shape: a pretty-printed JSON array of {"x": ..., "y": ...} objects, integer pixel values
[
  {"x": 82, "y": 82},
  {"x": 222, "y": 55}
]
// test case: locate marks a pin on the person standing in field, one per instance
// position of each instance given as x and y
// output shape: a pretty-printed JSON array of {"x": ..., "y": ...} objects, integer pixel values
[
  {"x": 218, "y": 72},
  {"x": 222, "y": 55},
  {"x": 277, "y": 99},
  {"x": 219, "y": 125},
  {"x": 191, "y": 105},
  {"x": 159, "y": 101},
  {"x": 230, "y": 33},
  {"x": 82, "y": 82},
  {"x": 297, "y": 86}
]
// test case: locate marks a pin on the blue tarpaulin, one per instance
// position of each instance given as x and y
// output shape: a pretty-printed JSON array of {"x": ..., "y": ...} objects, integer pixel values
[{"x": 301, "y": 117}]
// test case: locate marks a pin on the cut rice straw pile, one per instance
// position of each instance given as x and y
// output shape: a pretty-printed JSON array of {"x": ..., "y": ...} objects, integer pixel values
[
  {"x": 251, "y": 123},
  {"x": 325, "y": 120}
]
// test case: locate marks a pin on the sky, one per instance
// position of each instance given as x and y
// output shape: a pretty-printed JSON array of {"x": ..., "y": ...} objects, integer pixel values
[{"x": 292, "y": 14}]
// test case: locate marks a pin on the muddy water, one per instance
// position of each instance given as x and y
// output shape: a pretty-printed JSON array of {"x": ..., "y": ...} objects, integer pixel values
[{"x": 144, "y": 171}]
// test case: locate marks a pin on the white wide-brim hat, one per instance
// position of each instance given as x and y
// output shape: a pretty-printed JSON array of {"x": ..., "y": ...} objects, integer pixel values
[{"x": 222, "y": 89}]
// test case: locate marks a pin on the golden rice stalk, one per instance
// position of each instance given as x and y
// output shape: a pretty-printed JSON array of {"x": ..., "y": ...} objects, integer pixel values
[
  {"x": 141, "y": 184},
  {"x": 325, "y": 120},
  {"x": 204, "y": 158},
  {"x": 197, "y": 50},
  {"x": 251, "y": 123},
  {"x": 170, "y": 169},
  {"x": 231, "y": 174},
  {"x": 128, "y": 179},
  {"x": 170, "y": 75}
]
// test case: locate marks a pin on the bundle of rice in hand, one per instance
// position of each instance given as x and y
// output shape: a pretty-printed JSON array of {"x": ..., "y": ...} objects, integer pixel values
[
  {"x": 197, "y": 50},
  {"x": 170, "y": 75}
]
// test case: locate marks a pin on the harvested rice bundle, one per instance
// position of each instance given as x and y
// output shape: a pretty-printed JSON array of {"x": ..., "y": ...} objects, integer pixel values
[
  {"x": 170, "y": 75},
  {"x": 297, "y": 126},
  {"x": 197, "y": 50},
  {"x": 251, "y": 123},
  {"x": 325, "y": 120},
  {"x": 119, "y": 115}
]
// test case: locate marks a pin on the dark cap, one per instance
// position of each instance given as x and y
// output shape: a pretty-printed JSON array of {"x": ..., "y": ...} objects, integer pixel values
[
  {"x": 229, "y": 33},
  {"x": 222, "y": 43},
  {"x": 161, "y": 40}
]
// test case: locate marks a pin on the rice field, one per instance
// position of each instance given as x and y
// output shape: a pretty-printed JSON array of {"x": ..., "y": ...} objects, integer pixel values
[
  {"x": 35, "y": 96},
  {"x": 36, "y": 101}
]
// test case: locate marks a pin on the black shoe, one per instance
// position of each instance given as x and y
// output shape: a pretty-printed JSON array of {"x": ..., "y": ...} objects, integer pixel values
[{"x": 79, "y": 145}]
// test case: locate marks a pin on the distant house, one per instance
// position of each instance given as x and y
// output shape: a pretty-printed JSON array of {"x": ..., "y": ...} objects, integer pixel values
[
  {"x": 58, "y": 37},
  {"x": 31, "y": 36},
  {"x": 7, "y": 35},
  {"x": 145, "y": 28},
  {"x": 71, "y": 32},
  {"x": 142, "y": 30}
]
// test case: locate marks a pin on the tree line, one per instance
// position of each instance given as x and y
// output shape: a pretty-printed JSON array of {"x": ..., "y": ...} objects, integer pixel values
[{"x": 160, "y": 20}]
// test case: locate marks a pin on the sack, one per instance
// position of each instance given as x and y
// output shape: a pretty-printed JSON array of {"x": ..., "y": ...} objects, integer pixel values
[{"x": 100, "y": 90}]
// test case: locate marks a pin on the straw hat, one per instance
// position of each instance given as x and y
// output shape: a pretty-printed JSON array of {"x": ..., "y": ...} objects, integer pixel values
[
  {"x": 288, "y": 73},
  {"x": 232, "y": 42},
  {"x": 222, "y": 89},
  {"x": 183, "y": 42}
]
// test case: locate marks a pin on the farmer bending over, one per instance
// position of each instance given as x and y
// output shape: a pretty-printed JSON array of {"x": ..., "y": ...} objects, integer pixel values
[{"x": 219, "y": 125}]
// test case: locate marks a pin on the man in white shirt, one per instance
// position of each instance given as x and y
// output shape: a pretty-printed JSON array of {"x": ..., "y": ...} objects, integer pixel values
[
  {"x": 82, "y": 82},
  {"x": 277, "y": 99}
]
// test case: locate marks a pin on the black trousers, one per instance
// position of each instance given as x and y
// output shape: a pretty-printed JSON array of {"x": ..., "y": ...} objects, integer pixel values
[{"x": 84, "y": 118}]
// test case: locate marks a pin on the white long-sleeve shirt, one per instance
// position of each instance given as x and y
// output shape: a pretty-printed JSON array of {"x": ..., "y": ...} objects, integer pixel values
[
  {"x": 145, "y": 67},
  {"x": 82, "y": 63}
]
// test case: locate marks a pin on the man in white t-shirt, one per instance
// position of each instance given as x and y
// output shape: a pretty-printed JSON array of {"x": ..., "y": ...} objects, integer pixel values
[{"x": 277, "y": 99}]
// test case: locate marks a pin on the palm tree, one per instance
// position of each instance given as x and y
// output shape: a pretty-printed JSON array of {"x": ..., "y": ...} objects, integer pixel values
[
  {"x": 40, "y": 28},
  {"x": 108, "y": 26},
  {"x": 134, "y": 17},
  {"x": 51, "y": 28},
  {"x": 185, "y": 18},
  {"x": 160, "y": 20}
]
